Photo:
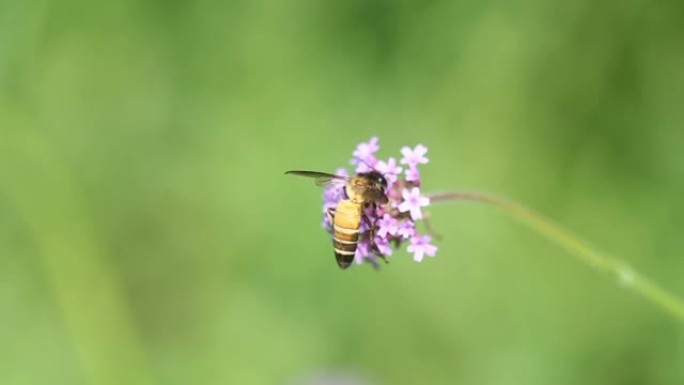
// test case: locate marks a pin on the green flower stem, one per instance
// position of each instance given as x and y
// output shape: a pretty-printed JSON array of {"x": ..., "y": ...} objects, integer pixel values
[{"x": 626, "y": 275}]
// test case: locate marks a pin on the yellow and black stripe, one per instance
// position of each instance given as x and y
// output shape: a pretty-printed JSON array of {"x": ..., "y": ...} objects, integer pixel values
[{"x": 346, "y": 232}]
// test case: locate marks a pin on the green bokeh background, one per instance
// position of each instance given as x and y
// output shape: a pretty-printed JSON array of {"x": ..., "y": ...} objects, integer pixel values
[{"x": 148, "y": 235}]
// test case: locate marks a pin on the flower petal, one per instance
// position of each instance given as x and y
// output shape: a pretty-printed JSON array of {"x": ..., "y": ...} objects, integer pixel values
[
  {"x": 423, "y": 201},
  {"x": 404, "y": 206},
  {"x": 418, "y": 255}
]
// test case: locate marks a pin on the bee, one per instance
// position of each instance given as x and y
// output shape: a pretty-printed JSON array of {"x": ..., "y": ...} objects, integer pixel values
[{"x": 363, "y": 190}]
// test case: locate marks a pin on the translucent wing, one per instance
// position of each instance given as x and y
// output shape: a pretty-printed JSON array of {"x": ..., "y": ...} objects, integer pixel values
[{"x": 322, "y": 179}]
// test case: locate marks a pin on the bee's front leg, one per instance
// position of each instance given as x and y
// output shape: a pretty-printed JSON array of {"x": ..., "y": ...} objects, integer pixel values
[{"x": 371, "y": 228}]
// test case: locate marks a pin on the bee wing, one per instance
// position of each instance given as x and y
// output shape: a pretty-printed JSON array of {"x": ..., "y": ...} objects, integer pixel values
[{"x": 322, "y": 179}]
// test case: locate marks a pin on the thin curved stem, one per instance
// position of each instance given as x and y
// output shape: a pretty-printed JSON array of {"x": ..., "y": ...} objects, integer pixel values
[{"x": 627, "y": 276}]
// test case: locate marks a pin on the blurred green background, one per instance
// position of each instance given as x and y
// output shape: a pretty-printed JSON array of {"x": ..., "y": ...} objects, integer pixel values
[{"x": 149, "y": 236}]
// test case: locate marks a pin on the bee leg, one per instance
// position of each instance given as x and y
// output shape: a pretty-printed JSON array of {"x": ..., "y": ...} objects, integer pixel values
[
  {"x": 371, "y": 239},
  {"x": 331, "y": 215},
  {"x": 371, "y": 229}
]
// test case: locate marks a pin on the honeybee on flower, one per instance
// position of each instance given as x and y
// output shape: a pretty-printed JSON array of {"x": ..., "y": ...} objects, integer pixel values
[{"x": 376, "y": 210}]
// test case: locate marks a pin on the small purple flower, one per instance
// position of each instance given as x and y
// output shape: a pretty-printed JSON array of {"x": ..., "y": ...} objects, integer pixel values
[
  {"x": 383, "y": 246},
  {"x": 420, "y": 246},
  {"x": 363, "y": 167},
  {"x": 332, "y": 196},
  {"x": 389, "y": 169},
  {"x": 387, "y": 225},
  {"x": 413, "y": 202},
  {"x": 406, "y": 229},
  {"x": 413, "y": 175},
  {"x": 415, "y": 156},
  {"x": 365, "y": 152},
  {"x": 362, "y": 251}
]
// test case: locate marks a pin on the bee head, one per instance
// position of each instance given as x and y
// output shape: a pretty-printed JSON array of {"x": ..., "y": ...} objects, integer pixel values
[
  {"x": 373, "y": 187},
  {"x": 378, "y": 179}
]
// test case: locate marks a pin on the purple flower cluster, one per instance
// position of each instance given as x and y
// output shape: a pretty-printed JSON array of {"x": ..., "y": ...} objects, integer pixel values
[{"x": 394, "y": 224}]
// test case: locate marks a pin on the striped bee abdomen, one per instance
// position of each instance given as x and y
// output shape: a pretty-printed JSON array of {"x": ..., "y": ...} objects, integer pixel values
[{"x": 346, "y": 232}]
